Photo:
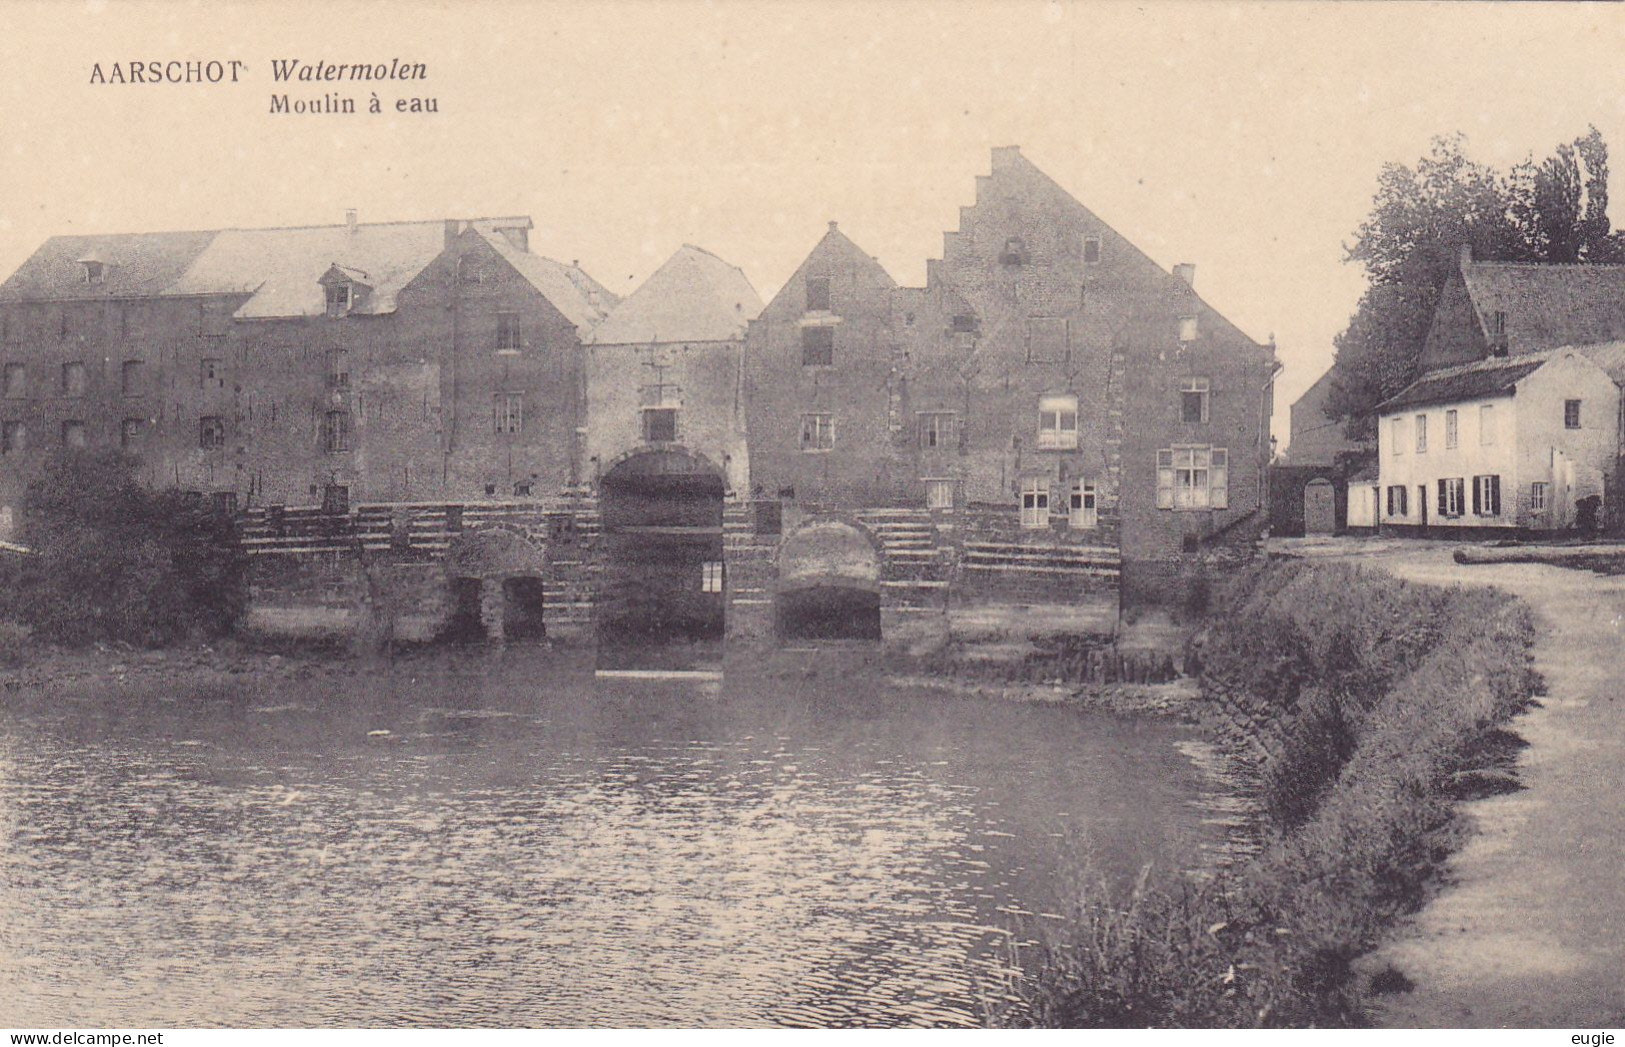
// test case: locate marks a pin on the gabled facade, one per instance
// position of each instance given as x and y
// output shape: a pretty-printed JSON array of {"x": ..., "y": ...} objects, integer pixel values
[
  {"x": 1049, "y": 384},
  {"x": 1508, "y": 443},
  {"x": 664, "y": 368}
]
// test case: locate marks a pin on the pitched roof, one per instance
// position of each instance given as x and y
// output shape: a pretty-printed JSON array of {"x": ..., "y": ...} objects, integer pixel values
[
  {"x": 280, "y": 268},
  {"x": 1549, "y": 305},
  {"x": 135, "y": 264},
  {"x": 1610, "y": 356},
  {"x": 1494, "y": 376},
  {"x": 583, "y": 301},
  {"x": 694, "y": 297}
]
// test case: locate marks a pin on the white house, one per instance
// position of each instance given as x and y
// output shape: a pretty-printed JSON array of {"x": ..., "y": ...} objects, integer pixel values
[{"x": 1506, "y": 442}]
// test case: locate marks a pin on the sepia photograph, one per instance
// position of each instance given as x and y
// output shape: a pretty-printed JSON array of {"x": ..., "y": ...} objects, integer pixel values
[{"x": 810, "y": 514}]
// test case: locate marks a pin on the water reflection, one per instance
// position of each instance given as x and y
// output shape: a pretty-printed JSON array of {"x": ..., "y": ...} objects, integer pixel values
[{"x": 512, "y": 842}]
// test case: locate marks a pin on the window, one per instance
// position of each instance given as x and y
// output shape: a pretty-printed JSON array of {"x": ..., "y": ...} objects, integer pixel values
[
  {"x": 211, "y": 432},
  {"x": 1058, "y": 421},
  {"x": 659, "y": 425},
  {"x": 335, "y": 499},
  {"x": 1083, "y": 515},
  {"x": 1397, "y": 505},
  {"x": 1091, "y": 250},
  {"x": 336, "y": 431},
  {"x": 338, "y": 299},
  {"x": 1047, "y": 340},
  {"x": 1193, "y": 478},
  {"x": 522, "y": 488},
  {"x": 508, "y": 334},
  {"x": 130, "y": 431},
  {"x": 1450, "y": 429},
  {"x": 16, "y": 381},
  {"x": 1498, "y": 322},
  {"x": 13, "y": 437},
  {"x": 939, "y": 494},
  {"x": 132, "y": 378},
  {"x": 508, "y": 412},
  {"x": 95, "y": 272},
  {"x": 937, "y": 428},
  {"x": 817, "y": 346},
  {"x": 212, "y": 373},
  {"x": 1035, "y": 502},
  {"x": 1537, "y": 497},
  {"x": 1487, "y": 495},
  {"x": 1571, "y": 414},
  {"x": 1014, "y": 253},
  {"x": 1193, "y": 395},
  {"x": 1187, "y": 329},
  {"x": 1397, "y": 432},
  {"x": 964, "y": 323},
  {"x": 817, "y": 432},
  {"x": 1421, "y": 433},
  {"x": 224, "y": 502},
  {"x": 73, "y": 378},
  {"x": 711, "y": 576},
  {"x": 1451, "y": 491},
  {"x": 338, "y": 370},
  {"x": 1486, "y": 425},
  {"x": 818, "y": 294},
  {"x": 73, "y": 434}
]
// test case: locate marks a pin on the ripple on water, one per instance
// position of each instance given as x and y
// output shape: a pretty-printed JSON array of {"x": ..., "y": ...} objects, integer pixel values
[{"x": 580, "y": 856}]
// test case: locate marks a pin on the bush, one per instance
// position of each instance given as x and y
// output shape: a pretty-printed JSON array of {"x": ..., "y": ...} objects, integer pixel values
[
  {"x": 1383, "y": 692},
  {"x": 115, "y": 561}
]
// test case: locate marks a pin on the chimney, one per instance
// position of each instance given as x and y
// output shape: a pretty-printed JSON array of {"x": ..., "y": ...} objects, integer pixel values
[
  {"x": 454, "y": 229},
  {"x": 350, "y": 219},
  {"x": 833, "y": 226},
  {"x": 1186, "y": 272}
]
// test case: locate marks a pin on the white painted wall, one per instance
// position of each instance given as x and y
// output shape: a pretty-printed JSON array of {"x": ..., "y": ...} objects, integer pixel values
[{"x": 1480, "y": 449}]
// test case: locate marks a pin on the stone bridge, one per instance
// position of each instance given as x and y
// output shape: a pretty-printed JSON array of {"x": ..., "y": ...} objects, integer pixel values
[{"x": 537, "y": 568}]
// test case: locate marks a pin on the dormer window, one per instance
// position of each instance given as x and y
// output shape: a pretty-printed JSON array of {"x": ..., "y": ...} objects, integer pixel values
[
  {"x": 964, "y": 323},
  {"x": 343, "y": 288},
  {"x": 95, "y": 272},
  {"x": 1014, "y": 253}
]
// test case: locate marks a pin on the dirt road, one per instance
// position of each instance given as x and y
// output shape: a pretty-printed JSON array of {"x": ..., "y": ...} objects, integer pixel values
[{"x": 1531, "y": 930}]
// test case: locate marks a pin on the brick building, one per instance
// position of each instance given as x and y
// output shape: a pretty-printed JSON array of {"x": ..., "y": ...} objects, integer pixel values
[
  {"x": 1049, "y": 385},
  {"x": 375, "y": 362}
]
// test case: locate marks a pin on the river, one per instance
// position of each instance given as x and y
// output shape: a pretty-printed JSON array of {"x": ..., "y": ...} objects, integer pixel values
[{"x": 506, "y": 840}]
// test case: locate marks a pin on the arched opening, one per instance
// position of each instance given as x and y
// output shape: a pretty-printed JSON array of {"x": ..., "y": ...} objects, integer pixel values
[
  {"x": 1319, "y": 507},
  {"x": 662, "y": 577},
  {"x": 495, "y": 586},
  {"x": 828, "y": 584}
]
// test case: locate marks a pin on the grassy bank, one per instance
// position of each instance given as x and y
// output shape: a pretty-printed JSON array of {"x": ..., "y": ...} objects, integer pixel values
[{"x": 1373, "y": 704}]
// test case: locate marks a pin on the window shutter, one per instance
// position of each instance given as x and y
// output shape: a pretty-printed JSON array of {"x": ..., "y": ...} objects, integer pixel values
[
  {"x": 1444, "y": 500},
  {"x": 1165, "y": 479},
  {"x": 1478, "y": 503},
  {"x": 1495, "y": 496}
]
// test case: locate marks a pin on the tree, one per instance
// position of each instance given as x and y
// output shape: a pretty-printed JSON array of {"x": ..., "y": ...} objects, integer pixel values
[
  {"x": 1410, "y": 244},
  {"x": 116, "y": 561}
]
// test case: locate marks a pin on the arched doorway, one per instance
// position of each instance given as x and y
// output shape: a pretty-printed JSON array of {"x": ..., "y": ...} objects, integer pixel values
[
  {"x": 828, "y": 583},
  {"x": 495, "y": 587},
  {"x": 1319, "y": 507},
  {"x": 662, "y": 539}
]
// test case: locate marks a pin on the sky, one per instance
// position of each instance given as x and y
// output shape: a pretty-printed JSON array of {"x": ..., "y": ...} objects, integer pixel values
[{"x": 1246, "y": 138}]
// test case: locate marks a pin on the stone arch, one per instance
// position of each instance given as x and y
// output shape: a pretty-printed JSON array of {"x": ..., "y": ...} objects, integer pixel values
[
  {"x": 827, "y": 581},
  {"x": 625, "y": 463},
  {"x": 496, "y": 590},
  {"x": 494, "y": 552}
]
